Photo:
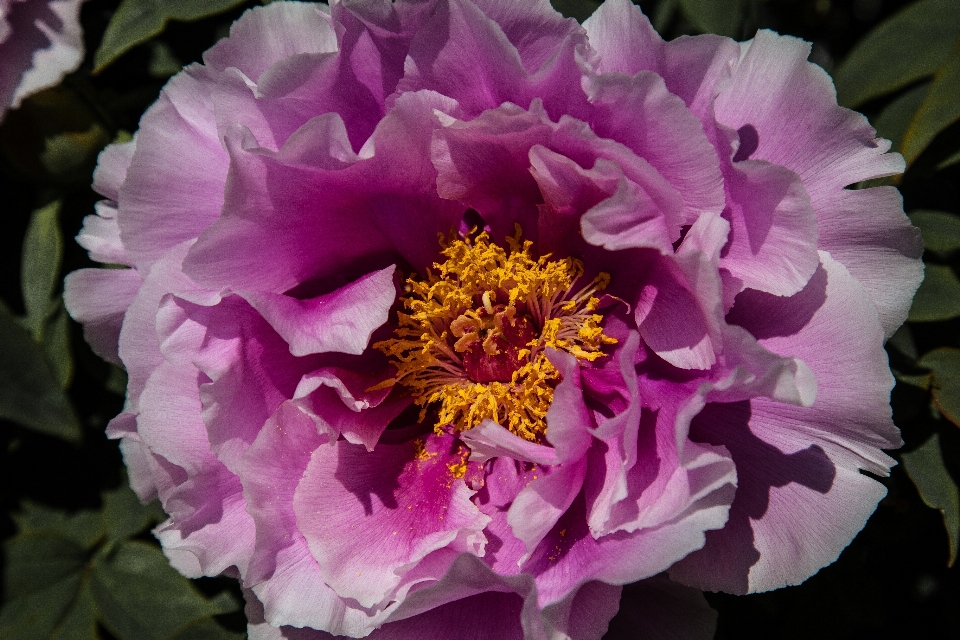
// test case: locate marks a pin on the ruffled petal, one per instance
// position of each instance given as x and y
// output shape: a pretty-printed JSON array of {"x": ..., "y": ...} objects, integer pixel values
[
  {"x": 791, "y": 106},
  {"x": 209, "y": 529},
  {"x": 282, "y": 572},
  {"x": 266, "y": 35},
  {"x": 801, "y": 497},
  {"x": 370, "y": 516}
]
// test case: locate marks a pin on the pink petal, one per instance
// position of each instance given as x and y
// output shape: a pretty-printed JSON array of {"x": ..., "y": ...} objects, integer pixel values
[
  {"x": 340, "y": 321},
  {"x": 801, "y": 496},
  {"x": 773, "y": 229},
  {"x": 369, "y": 517},
  {"x": 98, "y": 299}
]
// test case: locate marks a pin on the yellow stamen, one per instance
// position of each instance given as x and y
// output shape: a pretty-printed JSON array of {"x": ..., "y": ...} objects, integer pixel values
[{"x": 456, "y": 306}]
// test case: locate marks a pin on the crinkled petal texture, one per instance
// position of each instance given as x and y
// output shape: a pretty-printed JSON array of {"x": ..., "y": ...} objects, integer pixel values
[
  {"x": 273, "y": 196},
  {"x": 40, "y": 42}
]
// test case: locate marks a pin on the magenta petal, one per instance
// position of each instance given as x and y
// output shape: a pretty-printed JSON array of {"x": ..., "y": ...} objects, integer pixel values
[
  {"x": 271, "y": 239},
  {"x": 209, "y": 529},
  {"x": 112, "y": 168},
  {"x": 338, "y": 402},
  {"x": 539, "y": 505},
  {"x": 480, "y": 617},
  {"x": 230, "y": 344},
  {"x": 98, "y": 299},
  {"x": 369, "y": 517},
  {"x": 100, "y": 236},
  {"x": 339, "y": 321},
  {"x": 672, "y": 322},
  {"x": 460, "y": 31},
  {"x": 568, "y": 421},
  {"x": 40, "y": 42},
  {"x": 490, "y": 440},
  {"x": 282, "y": 571}
]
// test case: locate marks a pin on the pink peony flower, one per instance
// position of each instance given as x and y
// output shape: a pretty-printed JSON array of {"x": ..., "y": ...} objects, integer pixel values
[
  {"x": 448, "y": 318},
  {"x": 40, "y": 42}
]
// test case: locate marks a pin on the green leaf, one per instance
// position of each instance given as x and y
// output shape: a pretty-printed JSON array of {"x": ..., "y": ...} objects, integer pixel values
[
  {"x": 37, "y": 616},
  {"x": 37, "y": 560},
  {"x": 205, "y": 629},
  {"x": 80, "y": 621},
  {"x": 40, "y": 266},
  {"x": 938, "y": 297},
  {"x": 949, "y": 162},
  {"x": 663, "y": 14},
  {"x": 117, "y": 381},
  {"x": 140, "y": 597},
  {"x": 136, "y": 21},
  {"x": 124, "y": 516},
  {"x": 937, "y": 489},
  {"x": 940, "y": 230},
  {"x": 715, "y": 16},
  {"x": 30, "y": 391},
  {"x": 56, "y": 346},
  {"x": 910, "y": 45},
  {"x": 940, "y": 109},
  {"x": 83, "y": 528},
  {"x": 892, "y": 123},
  {"x": 944, "y": 363}
]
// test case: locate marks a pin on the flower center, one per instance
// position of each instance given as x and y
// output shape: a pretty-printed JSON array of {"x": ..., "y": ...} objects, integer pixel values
[{"x": 472, "y": 341}]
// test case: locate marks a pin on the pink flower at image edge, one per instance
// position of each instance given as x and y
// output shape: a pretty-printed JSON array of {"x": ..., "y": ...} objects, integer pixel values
[
  {"x": 40, "y": 42},
  {"x": 450, "y": 318}
]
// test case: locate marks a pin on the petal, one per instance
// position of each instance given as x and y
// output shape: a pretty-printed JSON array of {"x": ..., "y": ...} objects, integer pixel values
[
  {"x": 178, "y": 167},
  {"x": 100, "y": 236},
  {"x": 479, "y": 617},
  {"x": 459, "y": 31},
  {"x": 283, "y": 573},
  {"x": 801, "y": 497},
  {"x": 255, "y": 42},
  {"x": 369, "y": 517},
  {"x": 773, "y": 229},
  {"x": 791, "y": 106},
  {"x": 693, "y": 67},
  {"x": 867, "y": 232},
  {"x": 45, "y": 44},
  {"x": 111, "y": 171},
  {"x": 98, "y": 299},
  {"x": 642, "y": 114},
  {"x": 248, "y": 369},
  {"x": 209, "y": 529},
  {"x": 341, "y": 321}
]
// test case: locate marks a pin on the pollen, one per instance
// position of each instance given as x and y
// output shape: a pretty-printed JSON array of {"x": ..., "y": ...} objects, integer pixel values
[{"x": 471, "y": 340}]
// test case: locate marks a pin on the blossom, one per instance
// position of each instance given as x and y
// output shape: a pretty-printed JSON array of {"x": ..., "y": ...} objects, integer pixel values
[
  {"x": 452, "y": 317},
  {"x": 40, "y": 42}
]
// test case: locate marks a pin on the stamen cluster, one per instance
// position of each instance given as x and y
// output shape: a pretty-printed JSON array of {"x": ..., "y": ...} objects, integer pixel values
[{"x": 472, "y": 343}]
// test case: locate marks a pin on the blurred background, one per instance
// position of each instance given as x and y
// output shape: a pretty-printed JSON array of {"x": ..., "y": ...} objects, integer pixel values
[{"x": 79, "y": 560}]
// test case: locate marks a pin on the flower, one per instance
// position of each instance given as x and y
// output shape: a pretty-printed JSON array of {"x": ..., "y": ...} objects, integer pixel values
[
  {"x": 40, "y": 42},
  {"x": 420, "y": 347}
]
